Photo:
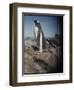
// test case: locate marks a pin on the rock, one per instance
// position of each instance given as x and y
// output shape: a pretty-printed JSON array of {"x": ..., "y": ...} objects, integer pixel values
[{"x": 48, "y": 61}]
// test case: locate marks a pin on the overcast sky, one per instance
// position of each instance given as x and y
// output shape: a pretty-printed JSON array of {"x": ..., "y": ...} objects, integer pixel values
[{"x": 50, "y": 25}]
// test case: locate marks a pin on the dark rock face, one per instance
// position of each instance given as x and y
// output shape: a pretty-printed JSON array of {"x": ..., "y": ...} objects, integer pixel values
[{"x": 48, "y": 61}]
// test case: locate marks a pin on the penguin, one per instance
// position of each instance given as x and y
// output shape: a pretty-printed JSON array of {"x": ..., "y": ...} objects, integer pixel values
[{"x": 39, "y": 35}]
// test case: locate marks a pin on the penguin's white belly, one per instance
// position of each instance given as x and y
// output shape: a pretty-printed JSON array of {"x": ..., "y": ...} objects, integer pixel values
[
  {"x": 36, "y": 31},
  {"x": 41, "y": 42}
]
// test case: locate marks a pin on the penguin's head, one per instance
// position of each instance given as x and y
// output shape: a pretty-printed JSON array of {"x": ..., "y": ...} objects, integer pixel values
[{"x": 36, "y": 22}]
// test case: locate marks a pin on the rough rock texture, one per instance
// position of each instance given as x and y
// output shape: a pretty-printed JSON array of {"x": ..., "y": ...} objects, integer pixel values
[{"x": 48, "y": 61}]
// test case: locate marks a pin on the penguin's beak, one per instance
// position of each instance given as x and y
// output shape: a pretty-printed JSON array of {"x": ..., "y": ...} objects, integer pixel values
[{"x": 35, "y": 21}]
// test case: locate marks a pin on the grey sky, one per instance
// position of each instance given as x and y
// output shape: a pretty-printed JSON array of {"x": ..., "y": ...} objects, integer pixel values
[{"x": 50, "y": 25}]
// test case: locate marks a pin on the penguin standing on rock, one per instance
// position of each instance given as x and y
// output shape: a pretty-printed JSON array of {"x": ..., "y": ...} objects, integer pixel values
[{"x": 39, "y": 35}]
